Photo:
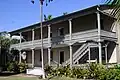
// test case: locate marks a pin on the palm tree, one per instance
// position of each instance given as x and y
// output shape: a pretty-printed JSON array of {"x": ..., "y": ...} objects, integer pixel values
[
  {"x": 41, "y": 25},
  {"x": 116, "y": 8},
  {"x": 46, "y": 1},
  {"x": 46, "y": 18}
]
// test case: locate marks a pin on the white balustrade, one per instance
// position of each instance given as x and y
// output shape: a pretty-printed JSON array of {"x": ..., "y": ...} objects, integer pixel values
[{"x": 76, "y": 37}]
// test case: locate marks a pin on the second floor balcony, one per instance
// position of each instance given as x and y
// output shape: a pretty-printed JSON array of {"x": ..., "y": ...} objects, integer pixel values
[{"x": 64, "y": 40}]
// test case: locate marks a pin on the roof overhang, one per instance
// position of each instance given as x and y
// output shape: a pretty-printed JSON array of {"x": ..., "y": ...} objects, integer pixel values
[{"x": 62, "y": 18}]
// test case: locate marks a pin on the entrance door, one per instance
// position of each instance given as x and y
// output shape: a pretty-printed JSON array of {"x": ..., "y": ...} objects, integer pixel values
[{"x": 61, "y": 57}]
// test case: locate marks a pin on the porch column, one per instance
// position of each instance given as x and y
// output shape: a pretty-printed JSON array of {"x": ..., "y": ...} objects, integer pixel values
[
  {"x": 49, "y": 56},
  {"x": 99, "y": 40},
  {"x": 71, "y": 56},
  {"x": 49, "y": 42},
  {"x": 70, "y": 34},
  {"x": 106, "y": 59},
  {"x": 20, "y": 34},
  {"x": 33, "y": 58},
  {"x": 20, "y": 56},
  {"x": 20, "y": 60},
  {"x": 20, "y": 37},
  {"x": 33, "y": 34}
]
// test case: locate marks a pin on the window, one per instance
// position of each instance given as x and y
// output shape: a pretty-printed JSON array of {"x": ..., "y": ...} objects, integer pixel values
[{"x": 61, "y": 31}]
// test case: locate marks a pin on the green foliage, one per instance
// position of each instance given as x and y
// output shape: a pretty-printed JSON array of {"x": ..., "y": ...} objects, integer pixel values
[
  {"x": 80, "y": 73},
  {"x": 94, "y": 71},
  {"x": 60, "y": 71},
  {"x": 13, "y": 66},
  {"x": 16, "y": 67},
  {"x": 4, "y": 42},
  {"x": 46, "y": 18},
  {"x": 115, "y": 12},
  {"x": 22, "y": 67},
  {"x": 14, "y": 41}
]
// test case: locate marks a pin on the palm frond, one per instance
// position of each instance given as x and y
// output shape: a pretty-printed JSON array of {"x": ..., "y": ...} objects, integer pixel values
[
  {"x": 116, "y": 8},
  {"x": 42, "y": 1}
]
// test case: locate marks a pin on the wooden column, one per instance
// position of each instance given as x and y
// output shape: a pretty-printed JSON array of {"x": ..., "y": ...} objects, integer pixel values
[
  {"x": 71, "y": 56},
  {"x": 49, "y": 31},
  {"x": 106, "y": 57},
  {"x": 20, "y": 37},
  {"x": 49, "y": 42},
  {"x": 33, "y": 53},
  {"x": 99, "y": 40},
  {"x": 33, "y": 59},
  {"x": 49, "y": 56},
  {"x": 33, "y": 34},
  {"x": 70, "y": 47},
  {"x": 20, "y": 60}
]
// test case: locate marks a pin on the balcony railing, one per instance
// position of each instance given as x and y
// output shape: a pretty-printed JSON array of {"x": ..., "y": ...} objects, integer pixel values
[{"x": 64, "y": 40}]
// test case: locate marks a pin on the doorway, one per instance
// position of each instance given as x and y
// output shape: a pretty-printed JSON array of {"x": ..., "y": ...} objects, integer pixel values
[{"x": 61, "y": 57}]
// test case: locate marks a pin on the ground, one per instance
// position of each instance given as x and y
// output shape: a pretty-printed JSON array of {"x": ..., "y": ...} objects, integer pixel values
[{"x": 28, "y": 77}]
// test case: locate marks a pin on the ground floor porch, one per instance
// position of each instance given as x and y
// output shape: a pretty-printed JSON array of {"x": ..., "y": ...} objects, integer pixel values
[{"x": 87, "y": 52}]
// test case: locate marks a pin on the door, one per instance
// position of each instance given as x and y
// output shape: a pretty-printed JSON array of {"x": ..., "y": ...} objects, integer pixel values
[{"x": 61, "y": 57}]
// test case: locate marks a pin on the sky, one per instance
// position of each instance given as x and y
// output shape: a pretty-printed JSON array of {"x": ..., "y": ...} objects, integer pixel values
[{"x": 15, "y": 14}]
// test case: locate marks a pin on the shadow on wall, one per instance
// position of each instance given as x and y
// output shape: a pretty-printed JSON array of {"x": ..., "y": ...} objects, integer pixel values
[{"x": 110, "y": 50}]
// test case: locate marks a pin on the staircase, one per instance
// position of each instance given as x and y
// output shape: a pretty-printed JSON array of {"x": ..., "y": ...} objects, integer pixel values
[{"x": 78, "y": 54}]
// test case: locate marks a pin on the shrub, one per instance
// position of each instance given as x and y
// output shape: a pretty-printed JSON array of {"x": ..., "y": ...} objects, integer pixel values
[
  {"x": 16, "y": 67},
  {"x": 94, "y": 71},
  {"x": 22, "y": 67},
  {"x": 13, "y": 66}
]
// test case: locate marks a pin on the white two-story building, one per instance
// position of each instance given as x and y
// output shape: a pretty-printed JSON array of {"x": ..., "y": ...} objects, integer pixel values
[{"x": 88, "y": 35}]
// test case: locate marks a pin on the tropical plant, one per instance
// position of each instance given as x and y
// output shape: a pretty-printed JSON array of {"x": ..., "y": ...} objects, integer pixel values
[
  {"x": 12, "y": 66},
  {"x": 22, "y": 67},
  {"x": 93, "y": 71},
  {"x": 49, "y": 17},
  {"x": 42, "y": 1},
  {"x": 16, "y": 67},
  {"x": 116, "y": 8},
  {"x": 5, "y": 42}
]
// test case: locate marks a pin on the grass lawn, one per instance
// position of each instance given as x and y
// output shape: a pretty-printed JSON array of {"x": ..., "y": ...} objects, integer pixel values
[
  {"x": 12, "y": 76},
  {"x": 32, "y": 78},
  {"x": 18, "y": 78}
]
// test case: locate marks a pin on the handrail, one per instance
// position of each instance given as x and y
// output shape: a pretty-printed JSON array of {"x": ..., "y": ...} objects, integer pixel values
[
  {"x": 78, "y": 52},
  {"x": 83, "y": 35},
  {"x": 81, "y": 56}
]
